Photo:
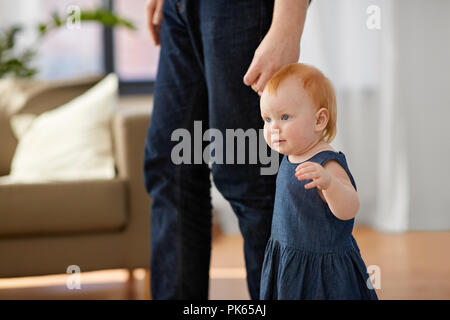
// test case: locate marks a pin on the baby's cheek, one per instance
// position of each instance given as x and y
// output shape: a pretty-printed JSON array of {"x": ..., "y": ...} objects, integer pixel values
[
  {"x": 295, "y": 136},
  {"x": 267, "y": 134},
  {"x": 291, "y": 133}
]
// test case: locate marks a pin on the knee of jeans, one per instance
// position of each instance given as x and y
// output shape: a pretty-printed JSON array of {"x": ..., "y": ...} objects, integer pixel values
[
  {"x": 157, "y": 174},
  {"x": 244, "y": 186}
]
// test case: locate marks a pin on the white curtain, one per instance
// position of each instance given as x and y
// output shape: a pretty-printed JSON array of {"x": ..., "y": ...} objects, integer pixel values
[{"x": 393, "y": 103}]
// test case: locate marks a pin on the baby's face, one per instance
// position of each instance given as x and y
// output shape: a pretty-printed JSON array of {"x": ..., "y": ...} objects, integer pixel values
[{"x": 289, "y": 118}]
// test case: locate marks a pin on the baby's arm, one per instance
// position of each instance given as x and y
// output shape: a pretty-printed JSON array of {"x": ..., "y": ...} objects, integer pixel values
[{"x": 335, "y": 185}]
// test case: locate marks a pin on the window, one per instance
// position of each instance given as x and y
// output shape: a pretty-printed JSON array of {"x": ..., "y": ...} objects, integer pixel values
[
  {"x": 70, "y": 52},
  {"x": 136, "y": 57},
  {"x": 91, "y": 49},
  {"x": 131, "y": 54}
]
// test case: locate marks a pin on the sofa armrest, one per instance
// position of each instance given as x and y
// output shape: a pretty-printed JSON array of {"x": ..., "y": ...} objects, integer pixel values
[
  {"x": 129, "y": 128},
  {"x": 129, "y": 134}
]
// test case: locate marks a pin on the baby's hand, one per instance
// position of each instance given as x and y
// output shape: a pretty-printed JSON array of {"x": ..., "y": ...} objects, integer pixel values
[{"x": 314, "y": 171}]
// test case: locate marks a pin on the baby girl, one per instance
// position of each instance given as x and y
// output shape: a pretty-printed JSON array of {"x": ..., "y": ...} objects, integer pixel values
[{"x": 311, "y": 253}]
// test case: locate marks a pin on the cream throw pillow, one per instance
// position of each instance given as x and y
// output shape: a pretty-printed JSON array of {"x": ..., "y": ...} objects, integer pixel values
[{"x": 70, "y": 142}]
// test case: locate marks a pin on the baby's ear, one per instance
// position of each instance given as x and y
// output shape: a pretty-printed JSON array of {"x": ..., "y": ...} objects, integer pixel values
[{"x": 322, "y": 117}]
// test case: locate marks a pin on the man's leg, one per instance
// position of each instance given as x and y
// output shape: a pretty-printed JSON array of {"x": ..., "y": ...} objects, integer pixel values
[
  {"x": 231, "y": 32},
  {"x": 181, "y": 207}
]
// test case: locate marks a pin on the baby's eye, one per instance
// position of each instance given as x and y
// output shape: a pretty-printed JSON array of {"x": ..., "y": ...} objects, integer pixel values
[
  {"x": 267, "y": 119},
  {"x": 284, "y": 117}
]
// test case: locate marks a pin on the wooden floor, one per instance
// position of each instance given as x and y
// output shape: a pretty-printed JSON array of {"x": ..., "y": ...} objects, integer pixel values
[{"x": 414, "y": 265}]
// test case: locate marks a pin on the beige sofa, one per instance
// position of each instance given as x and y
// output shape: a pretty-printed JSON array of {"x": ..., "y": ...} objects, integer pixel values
[{"x": 95, "y": 224}]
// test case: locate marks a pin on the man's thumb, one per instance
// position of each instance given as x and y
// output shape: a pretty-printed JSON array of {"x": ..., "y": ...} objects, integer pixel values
[{"x": 251, "y": 75}]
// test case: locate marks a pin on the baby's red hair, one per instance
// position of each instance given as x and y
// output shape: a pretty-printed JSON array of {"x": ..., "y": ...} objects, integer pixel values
[{"x": 318, "y": 87}]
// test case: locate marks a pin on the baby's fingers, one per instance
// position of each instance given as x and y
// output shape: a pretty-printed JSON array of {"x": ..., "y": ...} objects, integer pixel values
[
  {"x": 304, "y": 165},
  {"x": 305, "y": 170},
  {"x": 310, "y": 185},
  {"x": 307, "y": 175},
  {"x": 307, "y": 166}
]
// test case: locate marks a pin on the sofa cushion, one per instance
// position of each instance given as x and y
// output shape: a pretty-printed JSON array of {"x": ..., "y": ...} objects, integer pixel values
[
  {"x": 70, "y": 142},
  {"x": 33, "y": 96},
  {"x": 62, "y": 207}
]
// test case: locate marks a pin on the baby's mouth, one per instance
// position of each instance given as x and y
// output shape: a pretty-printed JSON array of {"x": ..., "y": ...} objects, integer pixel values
[{"x": 278, "y": 141}]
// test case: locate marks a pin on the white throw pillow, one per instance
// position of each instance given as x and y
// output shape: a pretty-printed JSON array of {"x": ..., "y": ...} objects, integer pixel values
[{"x": 70, "y": 142}]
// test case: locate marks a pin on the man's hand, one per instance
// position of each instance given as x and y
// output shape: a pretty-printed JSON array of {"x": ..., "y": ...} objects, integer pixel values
[
  {"x": 314, "y": 171},
  {"x": 275, "y": 51},
  {"x": 280, "y": 46},
  {"x": 154, "y": 18}
]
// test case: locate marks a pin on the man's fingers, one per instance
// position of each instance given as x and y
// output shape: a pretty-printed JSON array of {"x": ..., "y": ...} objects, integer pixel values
[
  {"x": 263, "y": 79},
  {"x": 252, "y": 74},
  {"x": 157, "y": 22},
  {"x": 157, "y": 35},
  {"x": 150, "y": 11},
  {"x": 254, "y": 84},
  {"x": 157, "y": 17}
]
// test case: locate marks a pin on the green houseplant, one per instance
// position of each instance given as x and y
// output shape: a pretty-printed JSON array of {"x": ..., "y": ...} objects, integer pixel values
[{"x": 15, "y": 64}]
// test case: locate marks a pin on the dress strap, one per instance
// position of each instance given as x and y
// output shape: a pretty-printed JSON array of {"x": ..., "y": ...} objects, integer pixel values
[{"x": 340, "y": 158}]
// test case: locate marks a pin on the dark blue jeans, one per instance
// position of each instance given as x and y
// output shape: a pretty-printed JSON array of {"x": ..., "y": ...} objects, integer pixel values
[{"x": 206, "y": 48}]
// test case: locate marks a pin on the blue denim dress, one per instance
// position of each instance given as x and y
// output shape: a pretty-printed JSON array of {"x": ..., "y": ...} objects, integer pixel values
[{"x": 311, "y": 254}]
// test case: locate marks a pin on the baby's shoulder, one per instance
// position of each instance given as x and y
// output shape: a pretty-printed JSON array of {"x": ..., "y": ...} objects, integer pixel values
[{"x": 337, "y": 169}]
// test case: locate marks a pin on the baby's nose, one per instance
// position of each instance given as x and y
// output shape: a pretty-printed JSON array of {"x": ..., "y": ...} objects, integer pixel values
[
  {"x": 276, "y": 125},
  {"x": 275, "y": 132}
]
